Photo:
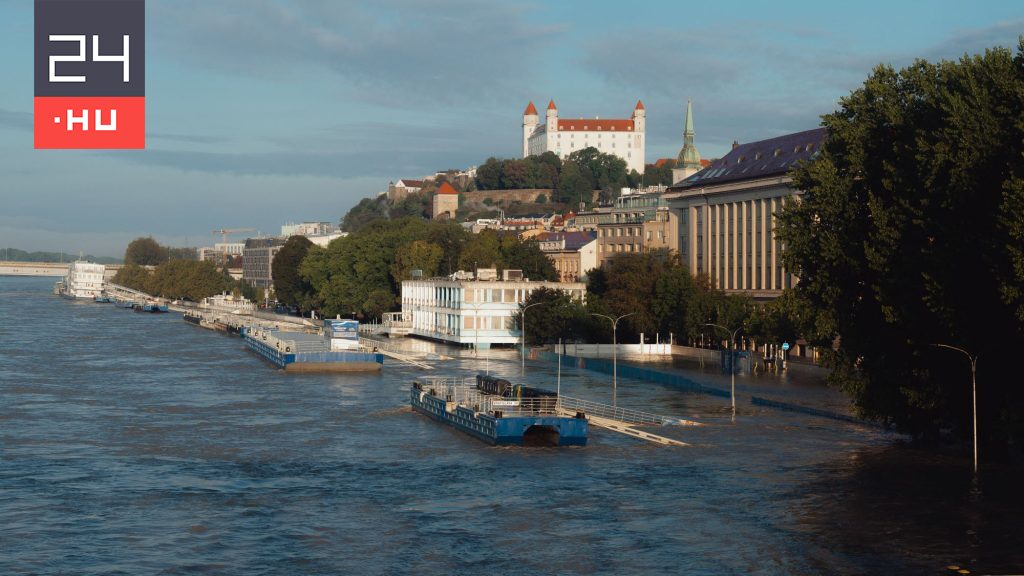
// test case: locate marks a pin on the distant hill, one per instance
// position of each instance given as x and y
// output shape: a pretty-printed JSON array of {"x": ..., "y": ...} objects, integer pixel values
[{"x": 15, "y": 255}]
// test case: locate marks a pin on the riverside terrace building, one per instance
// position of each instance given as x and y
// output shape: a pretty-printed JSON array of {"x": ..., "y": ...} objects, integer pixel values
[
  {"x": 727, "y": 227},
  {"x": 467, "y": 311}
]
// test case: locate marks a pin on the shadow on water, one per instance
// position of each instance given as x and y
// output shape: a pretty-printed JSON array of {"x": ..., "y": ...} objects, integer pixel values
[{"x": 918, "y": 511}]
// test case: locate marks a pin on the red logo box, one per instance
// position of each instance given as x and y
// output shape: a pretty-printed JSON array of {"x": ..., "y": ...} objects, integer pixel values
[{"x": 90, "y": 122}]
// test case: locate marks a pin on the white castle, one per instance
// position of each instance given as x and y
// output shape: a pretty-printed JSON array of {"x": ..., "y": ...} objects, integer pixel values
[{"x": 623, "y": 138}]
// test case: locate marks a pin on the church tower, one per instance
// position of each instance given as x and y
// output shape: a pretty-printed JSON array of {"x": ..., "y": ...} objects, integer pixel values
[
  {"x": 688, "y": 161},
  {"x": 530, "y": 119}
]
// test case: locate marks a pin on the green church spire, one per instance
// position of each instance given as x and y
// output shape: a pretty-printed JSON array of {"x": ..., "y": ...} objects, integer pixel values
[{"x": 689, "y": 157}]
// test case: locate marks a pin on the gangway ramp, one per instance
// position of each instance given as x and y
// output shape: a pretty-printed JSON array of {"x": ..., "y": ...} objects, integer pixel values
[
  {"x": 389, "y": 351},
  {"x": 623, "y": 420}
]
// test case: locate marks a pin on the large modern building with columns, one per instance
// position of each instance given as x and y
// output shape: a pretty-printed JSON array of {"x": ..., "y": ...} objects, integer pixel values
[{"x": 727, "y": 224}]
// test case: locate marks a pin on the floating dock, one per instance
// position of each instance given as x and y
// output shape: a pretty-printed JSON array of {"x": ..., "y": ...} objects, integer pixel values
[{"x": 300, "y": 352}]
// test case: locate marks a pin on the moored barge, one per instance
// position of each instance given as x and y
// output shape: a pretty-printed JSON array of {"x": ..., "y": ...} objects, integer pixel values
[
  {"x": 300, "y": 352},
  {"x": 498, "y": 412}
]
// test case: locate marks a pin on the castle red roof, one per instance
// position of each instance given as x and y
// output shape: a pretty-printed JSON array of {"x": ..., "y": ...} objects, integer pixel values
[
  {"x": 639, "y": 105},
  {"x": 447, "y": 188},
  {"x": 551, "y": 105},
  {"x": 531, "y": 110},
  {"x": 595, "y": 125}
]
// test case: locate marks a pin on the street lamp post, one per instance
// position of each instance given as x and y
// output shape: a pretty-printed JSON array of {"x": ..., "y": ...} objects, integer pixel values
[
  {"x": 524, "y": 331},
  {"x": 615, "y": 352},
  {"x": 732, "y": 360},
  {"x": 974, "y": 395}
]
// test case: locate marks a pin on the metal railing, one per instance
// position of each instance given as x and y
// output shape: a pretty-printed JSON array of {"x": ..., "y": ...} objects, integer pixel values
[
  {"x": 463, "y": 391},
  {"x": 626, "y": 415}
]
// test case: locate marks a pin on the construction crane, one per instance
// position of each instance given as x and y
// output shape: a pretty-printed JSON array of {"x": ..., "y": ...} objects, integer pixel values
[
  {"x": 224, "y": 232},
  {"x": 224, "y": 239}
]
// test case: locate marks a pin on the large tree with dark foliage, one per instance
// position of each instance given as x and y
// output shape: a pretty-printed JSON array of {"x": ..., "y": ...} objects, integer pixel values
[
  {"x": 289, "y": 286},
  {"x": 911, "y": 234},
  {"x": 145, "y": 252}
]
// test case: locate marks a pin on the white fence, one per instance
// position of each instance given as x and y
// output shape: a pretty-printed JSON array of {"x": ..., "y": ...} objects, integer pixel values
[{"x": 661, "y": 351}]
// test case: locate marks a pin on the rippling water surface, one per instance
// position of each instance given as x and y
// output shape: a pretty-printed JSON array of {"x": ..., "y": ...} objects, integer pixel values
[{"x": 135, "y": 444}]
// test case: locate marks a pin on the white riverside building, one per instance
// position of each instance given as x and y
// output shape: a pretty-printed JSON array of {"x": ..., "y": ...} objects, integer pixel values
[
  {"x": 84, "y": 280},
  {"x": 473, "y": 312}
]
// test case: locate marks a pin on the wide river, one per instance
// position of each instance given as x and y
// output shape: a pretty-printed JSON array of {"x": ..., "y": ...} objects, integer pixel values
[{"x": 139, "y": 444}]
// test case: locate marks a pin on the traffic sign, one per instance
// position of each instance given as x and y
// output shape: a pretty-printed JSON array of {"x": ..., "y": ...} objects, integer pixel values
[{"x": 785, "y": 346}]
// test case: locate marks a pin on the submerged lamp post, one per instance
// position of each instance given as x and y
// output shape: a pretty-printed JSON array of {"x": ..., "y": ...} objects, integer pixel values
[
  {"x": 732, "y": 360},
  {"x": 974, "y": 395},
  {"x": 615, "y": 352},
  {"x": 524, "y": 331}
]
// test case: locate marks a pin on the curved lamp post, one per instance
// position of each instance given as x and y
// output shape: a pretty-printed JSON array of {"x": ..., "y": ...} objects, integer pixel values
[
  {"x": 524, "y": 331},
  {"x": 732, "y": 360},
  {"x": 615, "y": 352},
  {"x": 974, "y": 395}
]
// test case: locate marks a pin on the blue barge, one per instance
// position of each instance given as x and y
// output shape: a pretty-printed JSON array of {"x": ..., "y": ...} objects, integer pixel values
[
  {"x": 300, "y": 352},
  {"x": 517, "y": 416}
]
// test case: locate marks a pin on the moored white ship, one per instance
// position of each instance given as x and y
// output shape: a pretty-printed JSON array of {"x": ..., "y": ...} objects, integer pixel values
[{"x": 84, "y": 280}]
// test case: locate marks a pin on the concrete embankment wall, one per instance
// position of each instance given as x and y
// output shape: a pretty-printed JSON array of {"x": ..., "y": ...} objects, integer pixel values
[{"x": 681, "y": 382}]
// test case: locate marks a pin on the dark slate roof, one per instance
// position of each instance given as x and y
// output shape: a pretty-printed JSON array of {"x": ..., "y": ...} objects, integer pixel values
[
  {"x": 577, "y": 240},
  {"x": 772, "y": 157}
]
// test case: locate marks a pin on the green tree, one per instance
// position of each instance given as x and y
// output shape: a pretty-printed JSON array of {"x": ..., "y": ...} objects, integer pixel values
[
  {"x": 291, "y": 288},
  {"x": 483, "y": 250},
  {"x": 135, "y": 277},
  {"x": 517, "y": 174},
  {"x": 526, "y": 256},
  {"x": 418, "y": 205},
  {"x": 145, "y": 252},
  {"x": 367, "y": 211},
  {"x": 420, "y": 255},
  {"x": 909, "y": 234},
  {"x": 573, "y": 187},
  {"x": 488, "y": 175},
  {"x": 189, "y": 279},
  {"x": 558, "y": 316}
]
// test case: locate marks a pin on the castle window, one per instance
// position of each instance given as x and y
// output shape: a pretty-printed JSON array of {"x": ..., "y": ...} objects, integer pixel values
[
  {"x": 777, "y": 152},
  {"x": 757, "y": 156},
  {"x": 809, "y": 147}
]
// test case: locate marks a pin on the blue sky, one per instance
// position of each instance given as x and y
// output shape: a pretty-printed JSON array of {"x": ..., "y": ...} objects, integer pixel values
[{"x": 261, "y": 112}]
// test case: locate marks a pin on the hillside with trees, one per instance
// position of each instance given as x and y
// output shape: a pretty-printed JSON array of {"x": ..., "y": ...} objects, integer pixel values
[{"x": 361, "y": 274}]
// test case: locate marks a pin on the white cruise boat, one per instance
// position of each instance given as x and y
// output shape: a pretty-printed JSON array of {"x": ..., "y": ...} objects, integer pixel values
[{"x": 84, "y": 280}]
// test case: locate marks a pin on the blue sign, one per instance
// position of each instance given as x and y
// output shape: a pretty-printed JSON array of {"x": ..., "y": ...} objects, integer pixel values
[
  {"x": 785, "y": 346},
  {"x": 347, "y": 329}
]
